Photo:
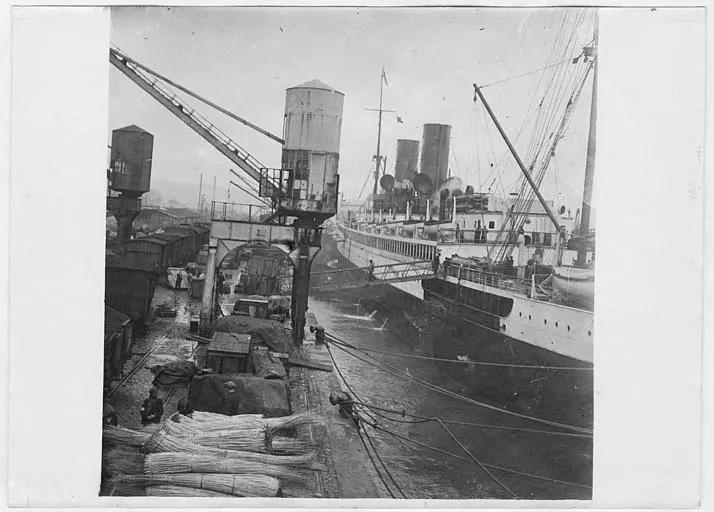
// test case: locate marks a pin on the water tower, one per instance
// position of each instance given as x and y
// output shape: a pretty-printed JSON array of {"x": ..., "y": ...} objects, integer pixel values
[
  {"x": 311, "y": 153},
  {"x": 129, "y": 175}
]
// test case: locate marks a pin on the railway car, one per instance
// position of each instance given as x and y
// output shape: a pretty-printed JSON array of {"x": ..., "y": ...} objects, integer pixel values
[
  {"x": 175, "y": 246},
  {"x": 156, "y": 248}
]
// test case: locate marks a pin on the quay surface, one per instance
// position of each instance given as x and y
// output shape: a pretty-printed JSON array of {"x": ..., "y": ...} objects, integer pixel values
[{"x": 348, "y": 472}]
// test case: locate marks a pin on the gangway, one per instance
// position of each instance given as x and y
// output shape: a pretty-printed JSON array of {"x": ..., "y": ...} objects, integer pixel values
[{"x": 402, "y": 272}]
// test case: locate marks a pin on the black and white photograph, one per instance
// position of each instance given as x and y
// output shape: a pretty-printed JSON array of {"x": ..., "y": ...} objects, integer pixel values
[
  {"x": 384, "y": 288},
  {"x": 350, "y": 252}
]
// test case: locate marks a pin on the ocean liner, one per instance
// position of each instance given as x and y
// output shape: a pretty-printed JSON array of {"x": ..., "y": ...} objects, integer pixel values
[{"x": 516, "y": 271}]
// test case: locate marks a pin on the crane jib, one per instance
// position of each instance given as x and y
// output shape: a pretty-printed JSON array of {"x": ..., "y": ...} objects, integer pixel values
[{"x": 222, "y": 142}]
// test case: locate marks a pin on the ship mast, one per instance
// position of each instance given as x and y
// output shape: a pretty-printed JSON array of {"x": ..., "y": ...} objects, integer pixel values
[
  {"x": 378, "y": 157},
  {"x": 584, "y": 228}
]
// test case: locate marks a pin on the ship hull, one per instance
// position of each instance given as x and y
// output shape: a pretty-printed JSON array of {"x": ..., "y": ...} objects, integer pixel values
[{"x": 518, "y": 375}]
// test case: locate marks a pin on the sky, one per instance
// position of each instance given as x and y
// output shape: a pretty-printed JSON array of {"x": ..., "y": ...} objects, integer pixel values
[{"x": 244, "y": 58}]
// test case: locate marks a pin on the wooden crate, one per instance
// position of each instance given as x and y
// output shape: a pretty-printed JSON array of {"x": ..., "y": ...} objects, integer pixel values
[{"x": 229, "y": 353}]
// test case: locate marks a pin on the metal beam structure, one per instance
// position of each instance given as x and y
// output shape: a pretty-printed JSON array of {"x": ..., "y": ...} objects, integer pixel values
[
  {"x": 382, "y": 274},
  {"x": 219, "y": 140},
  {"x": 301, "y": 244}
]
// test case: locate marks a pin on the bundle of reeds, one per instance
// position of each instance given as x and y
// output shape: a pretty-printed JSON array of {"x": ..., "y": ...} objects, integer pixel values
[
  {"x": 123, "y": 462},
  {"x": 250, "y": 422},
  {"x": 203, "y": 416},
  {"x": 125, "y": 435},
  {"x": 162, "y": 442},
  {"x": 292, "y": 421},
  {"x": 177, "y": 462},
  {"x": 177, "y": 491},
  {"x": 246, "y": 439},
  {"x": 253, "y": 486},
  {"x": 213, "y": 421},
  {"x": 280, "y": 445}
]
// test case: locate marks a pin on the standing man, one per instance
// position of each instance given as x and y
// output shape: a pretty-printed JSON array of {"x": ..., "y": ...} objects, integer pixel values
[
  {"x": 230, "y": 399},
  {"x": 371, "y": 270},
  {"x": 522, "y": 255},
  {"x": 179, "y": 278},
  {"x": 436, "y": 262},
  {"x": 152, "y": 408}
]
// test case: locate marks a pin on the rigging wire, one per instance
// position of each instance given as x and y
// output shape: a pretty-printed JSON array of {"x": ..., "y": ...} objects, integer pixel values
[
  {"x": 425, "y": 419},
  {"x": 374, "y": 464},
  {"x": 382, "y": 462},
  {"x": 399, "y": 374},
  {"x": 477, "y": 461},
  {"x": 491, "y": 466},
  {"x": 386, "y": 470},
  {"x": 375, "y": 424},
  {"x": 476, "y": 363},
  {"x": 371, "y": 417},
  {"x": 527, "y": 73}
]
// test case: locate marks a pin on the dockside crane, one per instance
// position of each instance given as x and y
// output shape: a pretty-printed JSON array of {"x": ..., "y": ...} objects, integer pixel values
[{"x": 302, "y": 193}]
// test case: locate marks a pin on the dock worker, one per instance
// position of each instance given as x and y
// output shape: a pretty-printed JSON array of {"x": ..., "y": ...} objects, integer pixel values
[
  {"x": 152, "y": 408},
  {"x": 347, "y": 410},
  {"x": 436, "y": 261},
  {"x": 179, "y": 278},
  {"x": 221, "y": 280},
  {"x": 230, "y": 399},
  {"x": 371, "y": 269}
]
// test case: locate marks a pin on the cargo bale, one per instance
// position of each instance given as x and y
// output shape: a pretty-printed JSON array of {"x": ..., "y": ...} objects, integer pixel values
[{"x": 256, "y": 395}]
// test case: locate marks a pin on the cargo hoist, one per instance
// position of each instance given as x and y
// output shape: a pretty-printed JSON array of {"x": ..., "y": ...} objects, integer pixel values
[{"x": 302, "y": 193}]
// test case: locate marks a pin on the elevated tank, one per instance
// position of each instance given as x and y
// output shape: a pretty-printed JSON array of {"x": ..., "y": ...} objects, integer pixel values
[
  {"x": 131, "y": 155},
  {"x": 407, "y": 159},
  {"x": 435, "y": 152},
  {"x": 312, "y": 126}
]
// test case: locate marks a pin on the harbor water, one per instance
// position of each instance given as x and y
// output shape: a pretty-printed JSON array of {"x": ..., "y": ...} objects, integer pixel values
[{"x": 542, "y": 465}]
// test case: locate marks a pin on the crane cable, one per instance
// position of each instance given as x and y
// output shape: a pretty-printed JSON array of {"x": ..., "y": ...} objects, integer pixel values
[{"x": 399, "y": 374}]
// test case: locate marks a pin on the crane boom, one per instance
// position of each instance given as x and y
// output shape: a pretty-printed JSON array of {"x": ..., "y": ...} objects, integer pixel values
[{"x": 193, "y": 119}]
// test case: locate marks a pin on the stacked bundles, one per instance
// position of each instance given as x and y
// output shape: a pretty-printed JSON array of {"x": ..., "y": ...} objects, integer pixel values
[
  {"x": 251, "y": 486},
  {"x": 178, "y": 462},
  {"x": 211, "y": 421},
  {"x": 178, "y": 491},
  {"x": 163, "y": 442},
  {"x": 250, "y": 432},
  {"x": 216, "y": 455},
  {"x": 249, "y": 439},
  {"x": 125, "y": 435}
]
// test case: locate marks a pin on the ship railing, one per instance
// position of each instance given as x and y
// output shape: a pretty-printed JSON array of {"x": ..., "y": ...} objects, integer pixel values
[
  {"x": 457, "y": 236},
  {"x": 226, "y": 211},
  {"x": 494, "y": 279}
]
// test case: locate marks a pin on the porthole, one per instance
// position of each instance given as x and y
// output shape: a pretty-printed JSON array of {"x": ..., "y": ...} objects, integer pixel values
[{"x": 503, "y": 327}]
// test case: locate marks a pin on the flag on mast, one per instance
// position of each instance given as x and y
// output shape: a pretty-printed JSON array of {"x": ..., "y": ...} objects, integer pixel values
[{"x": 384, "y": 75}]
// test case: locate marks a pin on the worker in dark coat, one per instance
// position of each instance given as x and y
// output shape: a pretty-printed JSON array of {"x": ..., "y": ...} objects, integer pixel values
[
  {"x": 230, "y": 399},
  {"x": 179, "y": 278},
  {"x": 152, "y": 408},
  {"x": 436, "y": 261}
]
